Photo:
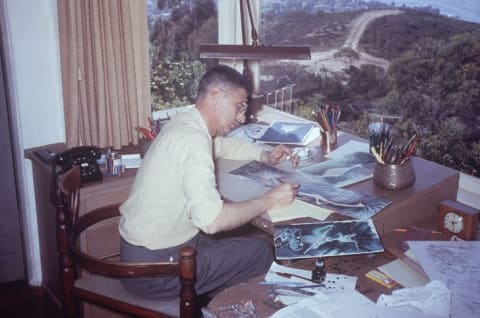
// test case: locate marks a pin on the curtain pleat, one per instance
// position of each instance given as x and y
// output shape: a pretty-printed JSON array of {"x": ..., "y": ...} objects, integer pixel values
[{"x": 105, "y": 70}]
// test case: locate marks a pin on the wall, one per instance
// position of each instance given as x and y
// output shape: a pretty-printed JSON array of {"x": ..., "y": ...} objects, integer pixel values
[{"x": 30, "y": 34}]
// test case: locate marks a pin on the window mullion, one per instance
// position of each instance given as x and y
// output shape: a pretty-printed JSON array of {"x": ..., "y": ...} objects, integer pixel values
[{"x": 230, "y": 32}]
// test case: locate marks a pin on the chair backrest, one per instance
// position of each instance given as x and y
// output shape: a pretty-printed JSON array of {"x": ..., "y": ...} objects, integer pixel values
[{"x": 70, "y": 227}]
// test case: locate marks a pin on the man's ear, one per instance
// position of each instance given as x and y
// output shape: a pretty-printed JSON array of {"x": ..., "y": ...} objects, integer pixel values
[{"x": 214, "y": 94}]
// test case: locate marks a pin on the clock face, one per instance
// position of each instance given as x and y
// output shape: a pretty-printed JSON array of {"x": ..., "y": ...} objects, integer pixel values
[{"x": 453, "y": 222}]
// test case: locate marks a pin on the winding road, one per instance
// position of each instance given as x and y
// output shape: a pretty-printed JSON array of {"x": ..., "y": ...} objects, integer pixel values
[{"x": 331, "y": 61}]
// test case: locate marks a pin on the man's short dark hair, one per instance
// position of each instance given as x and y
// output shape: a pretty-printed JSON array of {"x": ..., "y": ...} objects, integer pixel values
[{"x": 223, "y": 75}]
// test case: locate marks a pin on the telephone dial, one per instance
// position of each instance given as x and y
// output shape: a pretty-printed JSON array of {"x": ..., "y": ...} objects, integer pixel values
[{"x": 86, "y": 157}]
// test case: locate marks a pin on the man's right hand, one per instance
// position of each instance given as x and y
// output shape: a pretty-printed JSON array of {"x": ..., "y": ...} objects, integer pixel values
[
  {"x": 234, "y": 215},
  {"x": 282, "y": 195}
]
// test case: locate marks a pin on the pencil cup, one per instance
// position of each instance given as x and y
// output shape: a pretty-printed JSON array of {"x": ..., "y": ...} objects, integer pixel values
[
  {"x": 397, "y": 176},
  {"x": 328, "y": 140}
]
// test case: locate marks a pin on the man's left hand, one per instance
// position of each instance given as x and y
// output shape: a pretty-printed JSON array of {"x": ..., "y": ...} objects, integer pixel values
[{"x": 278, "y": 154}]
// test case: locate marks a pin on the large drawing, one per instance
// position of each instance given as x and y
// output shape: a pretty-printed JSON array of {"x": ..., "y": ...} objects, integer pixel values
[
  {"x": 295, "y": 133},
  {"x": 305, "y": 240},
  {"x": 457, "y": 265},
  {"x": 350, "y": 168},
  {"x": 316, "y": 191}
]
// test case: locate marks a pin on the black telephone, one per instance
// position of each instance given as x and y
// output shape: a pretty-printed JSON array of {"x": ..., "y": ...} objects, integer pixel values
[{"x": 86, "y": 157}]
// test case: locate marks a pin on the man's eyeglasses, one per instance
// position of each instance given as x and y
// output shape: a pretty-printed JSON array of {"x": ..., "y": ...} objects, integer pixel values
[{"x": 241, "y": 107}]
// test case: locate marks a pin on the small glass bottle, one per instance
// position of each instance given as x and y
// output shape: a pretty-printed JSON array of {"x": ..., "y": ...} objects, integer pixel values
[
  {"x": 318, "y": 273},
  {"x": 110, "y": 160},
  {"x": 114, "y": 163}
]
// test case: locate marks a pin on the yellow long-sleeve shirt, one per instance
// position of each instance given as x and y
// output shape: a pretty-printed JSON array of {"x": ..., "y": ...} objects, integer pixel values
[{"x": 175, "y": 194}]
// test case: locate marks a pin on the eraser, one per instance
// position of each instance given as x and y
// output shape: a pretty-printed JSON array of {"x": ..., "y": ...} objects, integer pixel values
[{"x": 381, "y": 278}]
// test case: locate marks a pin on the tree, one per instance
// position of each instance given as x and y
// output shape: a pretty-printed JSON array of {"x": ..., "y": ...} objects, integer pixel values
[
  {"x": 436, "y": 88},
  {"x": 440, "y": 80},
  {"x": 175, "y": 69},
  {"x": 367, "y": 82}
]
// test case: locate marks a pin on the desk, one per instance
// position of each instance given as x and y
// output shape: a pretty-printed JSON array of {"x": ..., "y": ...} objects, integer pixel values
[
  {"x": 434, "y": 183},
  {"x": 415, "y": 204},
  {"x": 112, "y": 189},
  {"x": 354, "y": 265}
]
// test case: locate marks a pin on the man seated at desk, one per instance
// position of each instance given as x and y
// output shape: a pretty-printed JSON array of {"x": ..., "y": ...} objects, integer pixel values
[{"x": 174, "y": 200}]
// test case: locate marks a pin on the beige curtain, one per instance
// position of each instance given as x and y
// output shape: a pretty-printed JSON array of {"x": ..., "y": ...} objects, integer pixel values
[{"x": 105, "y": 70}]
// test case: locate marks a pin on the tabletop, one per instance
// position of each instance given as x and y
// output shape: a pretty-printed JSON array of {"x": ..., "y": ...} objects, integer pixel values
[{"x": 411, "y": 205}]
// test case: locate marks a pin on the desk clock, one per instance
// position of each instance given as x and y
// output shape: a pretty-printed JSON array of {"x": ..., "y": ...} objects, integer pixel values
[{"x": 458, "y": 219}]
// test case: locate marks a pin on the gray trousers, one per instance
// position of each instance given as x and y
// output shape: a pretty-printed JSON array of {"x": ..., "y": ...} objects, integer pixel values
[{"x": 220, "y": 263}]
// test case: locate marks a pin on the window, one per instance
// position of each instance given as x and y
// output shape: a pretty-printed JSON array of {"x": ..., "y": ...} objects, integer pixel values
[
  {"x": 374, "y": 58},
  {"x": 176, "y": 29},
  {"x": 371, "y": 58}
]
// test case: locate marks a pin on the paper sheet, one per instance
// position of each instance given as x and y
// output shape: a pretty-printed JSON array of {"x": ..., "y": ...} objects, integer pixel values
[
  {"x": 346, "y": 304},
  {"x": 238, "y": 189},
  {"x": 457, "y": 264},
  {"x": 433, "y": 299},
  {"x": 333, "y": 283},
  {"x": 298, "y": 209},
  {"x": 350, "y": 147},
  {"x": 403, "y": 274},
  {"x": 131, "y": 160}
]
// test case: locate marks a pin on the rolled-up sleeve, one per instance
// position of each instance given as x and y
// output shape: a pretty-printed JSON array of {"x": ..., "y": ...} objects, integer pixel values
[
  {"x": 236, "y": 149},
  {"x": 204, "y": 202}
]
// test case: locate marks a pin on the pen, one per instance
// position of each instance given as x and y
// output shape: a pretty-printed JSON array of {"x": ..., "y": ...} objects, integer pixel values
[
  {"x": 292, "y": 284},
  {"x": 283, "y": 181},
  {"x": 288, "y": 275}
]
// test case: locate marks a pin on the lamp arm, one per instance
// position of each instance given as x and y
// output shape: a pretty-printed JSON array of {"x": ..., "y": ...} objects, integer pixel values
[
  {"x": 254, "y": 31},
  {"x": 242, "y": 20}
]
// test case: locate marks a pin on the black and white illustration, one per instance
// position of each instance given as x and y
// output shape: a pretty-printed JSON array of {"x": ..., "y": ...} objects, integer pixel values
[
  {"x": 293, "y": 133},
  {"x": 353, "y": 204},
  {"x": 349, "y": 169},
  {"x": 335, "y": 238},
  {"x": 316, "y": 191}
]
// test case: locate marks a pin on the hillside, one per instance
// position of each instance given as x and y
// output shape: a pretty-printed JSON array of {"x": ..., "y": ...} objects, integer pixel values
[
  {"x": 418, "y": 65},
  {"x": 388, "y": 37},
  {"x": 341, "y": 40}
]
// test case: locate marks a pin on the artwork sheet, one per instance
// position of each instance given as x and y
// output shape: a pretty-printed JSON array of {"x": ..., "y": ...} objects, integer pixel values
[
  {"x": 341, "y": 171},
  {"x": 318, "y": 191},
  {"x": 334, "y": 238},
  {"x": 289, "y": 133}
]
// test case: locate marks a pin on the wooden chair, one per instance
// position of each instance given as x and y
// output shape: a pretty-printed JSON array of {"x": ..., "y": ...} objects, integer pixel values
[{"x": 102, "y": 285}]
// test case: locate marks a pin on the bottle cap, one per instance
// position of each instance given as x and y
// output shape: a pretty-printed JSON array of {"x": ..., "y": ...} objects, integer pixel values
[{"x": 319, "y": 262}]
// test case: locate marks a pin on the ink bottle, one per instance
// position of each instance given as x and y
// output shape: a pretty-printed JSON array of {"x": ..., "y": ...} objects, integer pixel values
[{"x": 318, "y": 273}]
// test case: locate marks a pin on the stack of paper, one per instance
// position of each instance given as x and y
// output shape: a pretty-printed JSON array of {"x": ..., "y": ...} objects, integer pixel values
[{"x": 131, "y": 161}]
